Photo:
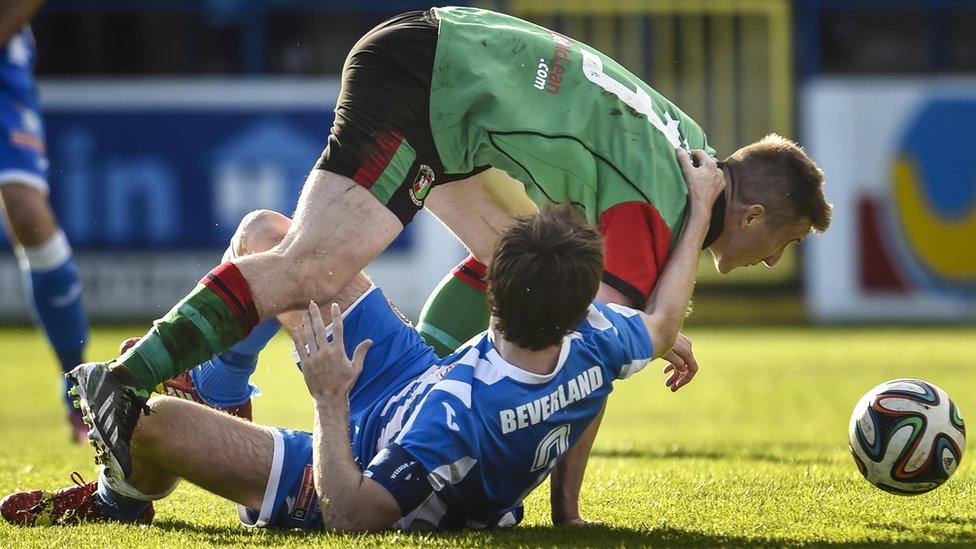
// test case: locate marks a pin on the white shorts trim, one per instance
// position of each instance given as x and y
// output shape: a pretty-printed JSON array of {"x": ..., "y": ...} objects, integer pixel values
[
  {"x": 271, "y": 490},
  {"x": 24, "y": 177}
]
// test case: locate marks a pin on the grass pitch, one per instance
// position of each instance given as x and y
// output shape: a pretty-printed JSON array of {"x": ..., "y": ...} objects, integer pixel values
[{"x": 753, "y": 452}]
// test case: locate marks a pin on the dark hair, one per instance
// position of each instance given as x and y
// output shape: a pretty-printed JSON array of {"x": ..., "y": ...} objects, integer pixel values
[
  {"x": 778, "y": 174},
  {"x": 544, "y": 273}
]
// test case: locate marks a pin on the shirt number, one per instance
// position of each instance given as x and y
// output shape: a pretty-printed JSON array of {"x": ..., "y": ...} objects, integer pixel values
[
  {"x": 637, "y": 99},
  {"x": 450, "y": 417}
]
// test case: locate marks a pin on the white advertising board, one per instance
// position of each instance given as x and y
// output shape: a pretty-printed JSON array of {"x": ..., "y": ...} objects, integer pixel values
[{"x": 900, "y": 161}]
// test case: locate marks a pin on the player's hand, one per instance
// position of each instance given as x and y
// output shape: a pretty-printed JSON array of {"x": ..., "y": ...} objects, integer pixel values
[
  {"x": 328, "y": 372},
  {"x": 705, "y": 180},
  {"x": 681, "y": 364}
]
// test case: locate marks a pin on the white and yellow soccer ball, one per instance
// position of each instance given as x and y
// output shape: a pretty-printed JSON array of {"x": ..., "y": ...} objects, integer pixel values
[{"x": 907, "y": 436}]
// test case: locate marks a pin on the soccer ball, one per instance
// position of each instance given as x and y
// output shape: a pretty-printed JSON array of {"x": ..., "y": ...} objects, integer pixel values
[{"x": 907, "y": 436}]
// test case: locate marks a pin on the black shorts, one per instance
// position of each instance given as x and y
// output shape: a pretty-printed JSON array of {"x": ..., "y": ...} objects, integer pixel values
[{"x": 381, "y": 137}]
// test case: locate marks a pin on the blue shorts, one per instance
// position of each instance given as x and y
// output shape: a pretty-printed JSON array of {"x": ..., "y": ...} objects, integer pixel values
[
  {"x": 23, "y": 158},
  {"x": 397, "y": 357}
]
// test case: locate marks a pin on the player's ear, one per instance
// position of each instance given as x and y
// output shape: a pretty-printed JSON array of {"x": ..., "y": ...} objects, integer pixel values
[{"x": 751, "y": 214}]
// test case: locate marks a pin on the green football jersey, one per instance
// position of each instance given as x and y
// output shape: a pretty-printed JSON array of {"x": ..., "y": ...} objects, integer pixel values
[{"x": 564, "y": 119}]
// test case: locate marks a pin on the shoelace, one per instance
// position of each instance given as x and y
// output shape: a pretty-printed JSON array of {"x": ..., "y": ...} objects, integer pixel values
[
  {"x": 78, "y": 479},
  {"x": 79, "y": 482}
]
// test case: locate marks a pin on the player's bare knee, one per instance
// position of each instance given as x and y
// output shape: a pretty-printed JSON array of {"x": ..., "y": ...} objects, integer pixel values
[
  {"x": 259, "y": 231},
  {"x": 29, "y": 214},
  {"x": 165, "y": 414}
]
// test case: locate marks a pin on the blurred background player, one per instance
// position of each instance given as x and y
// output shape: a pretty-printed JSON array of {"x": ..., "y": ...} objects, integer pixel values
[{"x": 47, "y": 266}]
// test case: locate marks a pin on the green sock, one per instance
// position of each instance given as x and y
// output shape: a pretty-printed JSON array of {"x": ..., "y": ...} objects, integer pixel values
[
  {"x": 457, "y": 310},
  {"x": 218, "y": 313}
]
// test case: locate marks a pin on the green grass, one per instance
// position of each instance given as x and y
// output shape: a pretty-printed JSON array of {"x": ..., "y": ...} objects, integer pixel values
[{"x": 753, "y": 452}]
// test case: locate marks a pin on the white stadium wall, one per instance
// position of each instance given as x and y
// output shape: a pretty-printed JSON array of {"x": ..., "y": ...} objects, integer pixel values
[{"x": 899, "y": 158}]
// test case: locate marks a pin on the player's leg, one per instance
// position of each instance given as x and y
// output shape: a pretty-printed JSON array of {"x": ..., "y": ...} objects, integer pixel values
[
  {"x": 178, "y": 440},
  {"x": 259, "y": 468},
  {"x": 223, "y": 382},
  {"x": 222, "y": 454},
  {"x": 477, "y": 209},
  {"x": 264, "y": 470},
  {"x": 457, "y": 308},
  {"x": 338, "y": 228},
  {"x": 49, "y": 274}
]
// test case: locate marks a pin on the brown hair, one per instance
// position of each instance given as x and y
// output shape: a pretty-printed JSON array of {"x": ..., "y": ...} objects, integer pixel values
[
  {"x": 778, "y": 174},
  {"x": 544, "y": 273}
]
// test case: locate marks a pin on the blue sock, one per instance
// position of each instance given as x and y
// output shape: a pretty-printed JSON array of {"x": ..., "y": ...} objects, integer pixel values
[
  {"x": 224, "y": 380},
  {"x": 54, "y": 293},
  {"x": 115, "y": 504}
]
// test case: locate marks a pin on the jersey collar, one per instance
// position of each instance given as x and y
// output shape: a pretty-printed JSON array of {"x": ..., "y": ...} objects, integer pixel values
[{"x": 518, "y": 374}]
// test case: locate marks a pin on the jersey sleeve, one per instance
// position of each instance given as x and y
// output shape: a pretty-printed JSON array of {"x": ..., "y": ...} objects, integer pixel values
[
  {"x": 402, "y": 475},
  {"x": 435, "y": 449},
  {"x": 636, "y": 241},
  {"x": 625, "y": 343}
]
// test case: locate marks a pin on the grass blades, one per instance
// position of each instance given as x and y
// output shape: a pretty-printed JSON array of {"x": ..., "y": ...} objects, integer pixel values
[{"x": 753, "y": 452}]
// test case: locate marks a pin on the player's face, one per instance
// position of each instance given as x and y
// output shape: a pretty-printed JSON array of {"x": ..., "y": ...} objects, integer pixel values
[{"x": 753, "y": 240}]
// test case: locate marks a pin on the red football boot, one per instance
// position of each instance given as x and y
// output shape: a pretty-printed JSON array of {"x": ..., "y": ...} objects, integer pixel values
[
  {"x": 69, "y": 505},
  {"x": 182, "y": 386}
]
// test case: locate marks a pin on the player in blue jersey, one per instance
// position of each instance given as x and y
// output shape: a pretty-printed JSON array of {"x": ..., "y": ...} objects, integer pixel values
[
  {"x": 403, "y": 438},
  {"x": 46, "y": 263}
]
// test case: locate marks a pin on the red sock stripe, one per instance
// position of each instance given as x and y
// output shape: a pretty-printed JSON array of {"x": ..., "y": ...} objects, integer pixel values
[
  {"x": 227, "y": 282},
  {"x": 472, "y": 272},
  {"x": 216, "y": 286}
]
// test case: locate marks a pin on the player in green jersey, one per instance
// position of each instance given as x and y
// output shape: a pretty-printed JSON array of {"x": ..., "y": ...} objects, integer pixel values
[
  {"x": 573, "y": 125},
  {"x": 433, "y": 107}
]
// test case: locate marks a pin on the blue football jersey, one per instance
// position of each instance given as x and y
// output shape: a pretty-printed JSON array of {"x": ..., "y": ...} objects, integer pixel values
[
  {"x": 23, "y": 156},
  {"x": 17, "y": 67},
  {"x": 466, "y": 441}
]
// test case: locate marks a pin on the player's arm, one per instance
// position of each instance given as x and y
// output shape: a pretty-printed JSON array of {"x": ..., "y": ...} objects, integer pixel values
[
  {"x": 13, "y": 15},
  {"x": 566, "y": 480},
  {"x": 673, "y": 290},
  {"x": 349, "y": 501},
  {"x": 636, "y": 241}
]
